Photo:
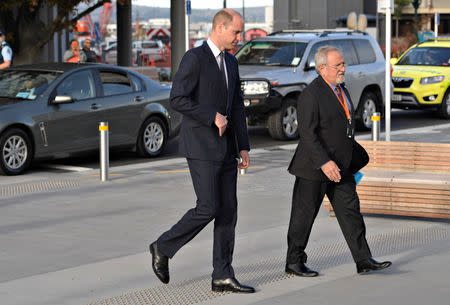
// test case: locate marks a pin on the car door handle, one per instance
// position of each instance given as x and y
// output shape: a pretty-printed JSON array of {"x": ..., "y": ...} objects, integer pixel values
[
  {"x": 361, "y": 75},
  {"x": 95, "y": 106},
  {"x": 138, "y": 99}
]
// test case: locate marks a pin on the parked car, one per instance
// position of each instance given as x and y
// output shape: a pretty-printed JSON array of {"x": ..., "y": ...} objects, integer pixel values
[
  {"x": 421, "y": 77},
  {"x": 276, "y": 68},
  {"x": 146, "y": 50},
  {"x": 53, "y": 110}
]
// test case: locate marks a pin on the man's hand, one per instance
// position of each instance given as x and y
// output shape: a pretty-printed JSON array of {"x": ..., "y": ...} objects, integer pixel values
[
  {"x": 245, "y": 159},
  {"x": 332, "y": 171},
  {"x": 221, "y": 123}
]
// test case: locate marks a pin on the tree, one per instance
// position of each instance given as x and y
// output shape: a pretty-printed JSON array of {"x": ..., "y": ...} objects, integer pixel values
[
  {"x": 28, "y": 34},
  {"x": 416, "y": 5},
  {"x": 399, "y": 5}
]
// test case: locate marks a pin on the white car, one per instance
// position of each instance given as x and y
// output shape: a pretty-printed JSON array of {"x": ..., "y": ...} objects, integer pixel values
[{"x": 142, "y": 51}]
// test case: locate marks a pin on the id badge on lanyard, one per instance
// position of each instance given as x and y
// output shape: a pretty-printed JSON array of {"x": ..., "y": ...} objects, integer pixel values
[{"x": 350, "y": 129}]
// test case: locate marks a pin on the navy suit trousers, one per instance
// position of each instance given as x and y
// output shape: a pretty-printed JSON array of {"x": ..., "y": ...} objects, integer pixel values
[{"x": 215, "y": 188}]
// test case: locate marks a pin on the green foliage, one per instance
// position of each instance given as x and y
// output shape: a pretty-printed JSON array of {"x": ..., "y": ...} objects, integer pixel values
[
  {"x": 399, "y": 5},
  {"x": 28, "y": 34},
  {"x": 416, "y": 4}
]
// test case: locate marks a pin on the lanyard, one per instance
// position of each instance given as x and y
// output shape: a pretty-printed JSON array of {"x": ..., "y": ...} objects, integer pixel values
[{"x": 341, "y": 99}]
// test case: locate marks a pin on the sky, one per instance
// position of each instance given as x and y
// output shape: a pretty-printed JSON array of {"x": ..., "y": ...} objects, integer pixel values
[{"x": 213, "y": 4}]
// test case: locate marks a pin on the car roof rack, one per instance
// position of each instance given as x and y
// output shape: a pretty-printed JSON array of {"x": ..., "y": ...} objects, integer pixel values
[{"x": 319, "y": 32}]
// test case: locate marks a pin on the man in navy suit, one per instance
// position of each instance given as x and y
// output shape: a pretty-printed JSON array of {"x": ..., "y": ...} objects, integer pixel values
[
  {"x": 207, "y": 91},
  {"x": 324, "y": 162}
]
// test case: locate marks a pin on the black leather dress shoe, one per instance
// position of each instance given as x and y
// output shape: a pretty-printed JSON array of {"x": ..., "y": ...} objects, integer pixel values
[
  {"x": 370, "y": 264},
  {"x": 160, "y": 263},
  {"x": 300, "y": 269},
  {"x": 230, "y": 284}
]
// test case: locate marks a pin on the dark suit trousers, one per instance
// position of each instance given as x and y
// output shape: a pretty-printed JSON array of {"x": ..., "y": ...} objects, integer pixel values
[
  {"x": 215, "y": 187},
  {"x": 306, "y": 201}
]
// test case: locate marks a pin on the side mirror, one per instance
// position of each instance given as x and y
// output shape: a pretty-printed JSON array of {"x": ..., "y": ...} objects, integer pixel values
[
  {"x": 394, "y": 61},
  {"x": 63, "y": 99},
  {"x": 310, "y": 65}
]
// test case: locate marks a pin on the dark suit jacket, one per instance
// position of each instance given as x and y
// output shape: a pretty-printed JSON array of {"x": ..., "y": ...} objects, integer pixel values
[
  {"x": 323, "y": 134},
  {"x": 198, "y": 92}
]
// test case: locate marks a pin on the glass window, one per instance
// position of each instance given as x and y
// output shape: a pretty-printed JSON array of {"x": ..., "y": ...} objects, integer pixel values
[
  {"x": 137, "y": 83},
  {"x": 313, "y": 52},
  {"x": 115, "y": 83},
  {"x": 271, "y": 53},
  {"x": 26, "y": 85},
  {"x": 345, "y": 46},
  {"x": 426, "y": 56},
  {"x": 79, "y": 86},
  {"x": 365, "y": 51}
]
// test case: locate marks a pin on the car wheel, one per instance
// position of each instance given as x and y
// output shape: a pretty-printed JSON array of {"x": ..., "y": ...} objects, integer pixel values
[
  {"x": 16, "y": 152},
  {"x": 367, "y": 106},
  {"x": 444, "y": 108},
  {"x": 152, "y": 137},
  {"x": 283, "y": 124}
]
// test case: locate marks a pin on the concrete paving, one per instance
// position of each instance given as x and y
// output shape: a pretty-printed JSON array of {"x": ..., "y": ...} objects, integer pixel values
[{"x": 68, "y": 238}]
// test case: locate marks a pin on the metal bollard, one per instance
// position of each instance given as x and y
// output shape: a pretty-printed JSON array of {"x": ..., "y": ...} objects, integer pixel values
[
  {"x": 242, "y": 171},
  {"x": 104, "y": 150},
  {"x": 376, "y": 126}
]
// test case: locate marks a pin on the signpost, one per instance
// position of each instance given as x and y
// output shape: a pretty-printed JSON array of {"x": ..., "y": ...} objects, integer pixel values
[
  {"x": 188, "y": 12},
  {"x": 387, "y": 7},
  {"x": 436, "y": 24}
]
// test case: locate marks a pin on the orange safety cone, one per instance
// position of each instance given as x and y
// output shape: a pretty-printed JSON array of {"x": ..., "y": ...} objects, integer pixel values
[{"x": 152, "y": 62}]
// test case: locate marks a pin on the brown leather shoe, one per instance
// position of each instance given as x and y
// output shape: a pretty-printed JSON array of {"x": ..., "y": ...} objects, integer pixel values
[
  {"x": 230, "y": 284},
  {"x": 160, "y": 264}
]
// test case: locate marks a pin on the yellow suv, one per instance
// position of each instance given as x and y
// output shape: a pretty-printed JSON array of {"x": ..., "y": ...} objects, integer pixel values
[{"x": 421, "y": 77}]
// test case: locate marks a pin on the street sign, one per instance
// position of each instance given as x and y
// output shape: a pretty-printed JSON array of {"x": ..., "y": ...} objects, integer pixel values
[
  {"x": 188, "y": 7},
  {"x": 383, "y": 4}
]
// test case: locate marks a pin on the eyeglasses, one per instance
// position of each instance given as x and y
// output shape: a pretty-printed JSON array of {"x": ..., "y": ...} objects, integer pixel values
[{"x": 339, "y": 66}]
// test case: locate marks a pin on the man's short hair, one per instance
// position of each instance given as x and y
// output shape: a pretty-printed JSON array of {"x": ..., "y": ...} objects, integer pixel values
[
  {"x": 2, "y": 33},
  {"x": 321, "y": 56},
  {"x": 224, "y": 16}
]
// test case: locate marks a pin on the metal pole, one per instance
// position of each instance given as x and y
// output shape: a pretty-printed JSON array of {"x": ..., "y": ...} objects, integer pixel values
[
  {"x": 242, "y": 171},
  {"x": 186, "y": 27},
  {"x": 387, "y": 80},
  {"x": 376, "y": 126},
  {"x": 436, "y": 23},
  {"x": 104, "y": 150}
]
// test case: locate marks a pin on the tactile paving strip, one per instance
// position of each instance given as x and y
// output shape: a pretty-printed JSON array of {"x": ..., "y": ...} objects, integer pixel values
[
  {"x": 38, "y": 187},
  {"x": 198, "y": 290}
]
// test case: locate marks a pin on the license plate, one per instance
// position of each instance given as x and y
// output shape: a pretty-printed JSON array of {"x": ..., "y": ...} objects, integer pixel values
[{"x": 396, "y": 97}]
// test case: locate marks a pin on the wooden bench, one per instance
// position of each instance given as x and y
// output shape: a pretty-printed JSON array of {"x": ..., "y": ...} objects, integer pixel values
[{"x": 405, "y": 178}]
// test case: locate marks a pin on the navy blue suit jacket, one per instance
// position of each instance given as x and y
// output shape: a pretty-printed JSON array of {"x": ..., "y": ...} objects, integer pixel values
[{"x": 198, "y": 92}]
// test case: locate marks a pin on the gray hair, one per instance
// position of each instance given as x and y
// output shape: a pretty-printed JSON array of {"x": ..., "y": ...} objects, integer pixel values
[{"x": 321, "y": 56}]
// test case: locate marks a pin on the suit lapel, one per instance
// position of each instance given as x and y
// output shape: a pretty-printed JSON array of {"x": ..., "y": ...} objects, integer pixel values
[
  {"x": 333, "y": 98},
  {"x": 231, "y": 80}
]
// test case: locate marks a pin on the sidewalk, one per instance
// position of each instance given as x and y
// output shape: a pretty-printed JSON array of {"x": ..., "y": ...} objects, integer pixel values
[{"x": 71, "y": 239}]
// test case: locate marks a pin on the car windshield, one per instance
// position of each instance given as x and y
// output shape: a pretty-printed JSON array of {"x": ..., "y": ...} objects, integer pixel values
[
  {"x": 27, "y": 85},
  {"x": 271, "y": 53},
  {"x": 426, "y": 56}
]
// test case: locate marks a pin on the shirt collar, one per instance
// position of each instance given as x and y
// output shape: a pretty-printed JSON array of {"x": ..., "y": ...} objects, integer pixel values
[{"x": 215, "y": 50}]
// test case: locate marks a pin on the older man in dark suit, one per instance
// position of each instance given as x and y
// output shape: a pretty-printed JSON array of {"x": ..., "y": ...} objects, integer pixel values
[
  {"x": 206, "y": 90},
  {"x": 325, "y": 161}
]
